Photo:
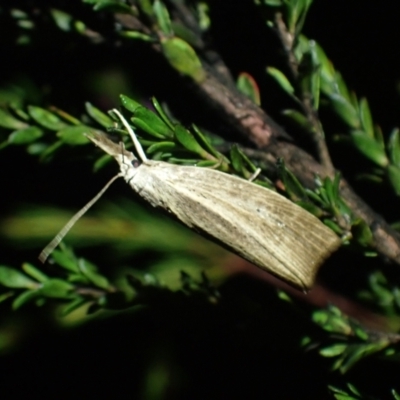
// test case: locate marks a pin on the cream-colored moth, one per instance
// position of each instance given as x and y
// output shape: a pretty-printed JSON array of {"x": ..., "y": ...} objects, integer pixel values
[{"x": 256, "y": 223}]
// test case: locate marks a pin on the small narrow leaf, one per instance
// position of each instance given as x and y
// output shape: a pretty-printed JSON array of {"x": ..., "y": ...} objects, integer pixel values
[
  {"x": 100, "y": 117},
  {"x": 237, "y": 159},
  {"x": 299, "y": 118},
  {"x": 394, "y": 147},
  {"x": 281, "y": 79},
  {"x": 9, "y": 122},
  {"x": 369, "y": 147},
  {"x": 183, "y": 58},
  {"x": 74, "y": 135},
  {"x": 362, "y": 233},
  {"x": 163, "y": 19},
  {"x": 161, "y": 147},
  {"x": 12, "y": 278},
  {"x": 65, "y": 260},
  {"x": 137, "y": 35},
  {"x": 148, "y": 121},
  {"x": 130, "y": 104},
  {"x": 73, "y": 305},
  {"x": 187, "y": 140},
  {"x": 24, "y": 298},
  {"x": 90, "y": 272},
  {"x": 62, "y": 19},
  {"x": 393, "y": 174},
  {"x": 34, "y": 272},
  {"x": 345, "y": 110},
  {"x": 56, "y": 288},
  {"x": 205, "y": 143},
  {"x": 366, "y": 118},
  {"x": 293, "y": 187},
  {"x": 162, "y": 113},
  {"x": 46, "y": 118},
  {"x": 248, "y": 86},
  {"x": 25, "y": 136},
  {"x": 334, "y": 350}
]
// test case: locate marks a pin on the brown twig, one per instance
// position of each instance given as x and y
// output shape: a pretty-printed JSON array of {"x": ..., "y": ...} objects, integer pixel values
[
  {"x": 243, "y": 116},
  {"x": 316, "y": 132}
]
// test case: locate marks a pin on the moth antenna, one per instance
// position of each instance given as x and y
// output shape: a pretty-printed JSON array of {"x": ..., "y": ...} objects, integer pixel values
[
  {"x": 122, "y": 151},
  {"x": 57, "y": 239},
  {"x": 255, "y": 174},
  {"x": 135, "y": 140}
]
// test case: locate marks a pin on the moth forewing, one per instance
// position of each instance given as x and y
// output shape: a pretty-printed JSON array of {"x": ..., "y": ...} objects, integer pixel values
[{"x": 254, "y": 222}]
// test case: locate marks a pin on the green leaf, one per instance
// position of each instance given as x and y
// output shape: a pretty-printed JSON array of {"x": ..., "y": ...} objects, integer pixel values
[
  {"x": 242, "y": 164},
  {"x": 248, "y": 86},
  {"x": 89, "y": 270},
  {"x": 162, "y": 113},
  {"x": 299, "y": 118},
  {"x": 74, "y": 135},
  {"x": 9, "y": 122},
  {"x": 6, "y": 295},
  {"x": 115, "y": 6},
  {"x": 293, "y": 187},
  {"x": 203, "y": 11},
  {"x": 394, "y": 147},
  {"x": 137, "y": 35},
  {"x": 237, "y": 159},
  {"x": 315, "y": 89},
  {"x": 208, "y": 164},
  {"x": 341, "y": 88},
  {"x": 393, "y": 174},
  {"x": 302, "y": 47},
  {"x": 149, "y": 122},
  {"x": 187, "y": 140},
  {"x": 46, "y": 118},
  {"x": 34, "y": 272},
  {"x": 327, "y": 71},
  {"x": 73, "y": 305},
  {"x": 281, "y": 79},
  {"x": 345, "y": 110},
  {"x": 62, "y": 19},
  {"x": 10, "y": 277},
  {"x": 65, "y": 259},
  {"x": 24, "y": 298},
  {"x": 130, "y": 104},
  {"x": 273, "y": 3},
  {"x": 369, "y": 147},
  {"x": 183, "y": 58},
  {"x": 379, "y": 136},
  {"x": 333, "y": 225},
  {"x": 163, "y": 147},
  {"x": 205, "y": 144},
  {"x": 311, "y": 208},
  {"x": 395, "y": 395},
  {"x": 100, "y": 117},
  {"x": 366, "y": 118},
  {"x": 101, "y": 162},
  {"x": 333, "y": 350},
  {"x": 362, "y": 233},
  {"x": 353, "y": 389},
  {"x": 56, "y": 288},
  {"x": 50, "y": 150},
  {"x": 25, "y": 136},
  {"x": 163, "y": 19},
  {"x": 361, "y": 351}
]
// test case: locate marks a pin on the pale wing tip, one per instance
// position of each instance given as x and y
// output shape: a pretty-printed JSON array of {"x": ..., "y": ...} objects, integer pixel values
[
  {"x": 309, "y": 276},
  {"x": 111, "y": 148}
]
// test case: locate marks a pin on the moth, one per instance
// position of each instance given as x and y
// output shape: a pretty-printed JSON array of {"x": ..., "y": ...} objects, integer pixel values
[{"x": 256, "y": 223}]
